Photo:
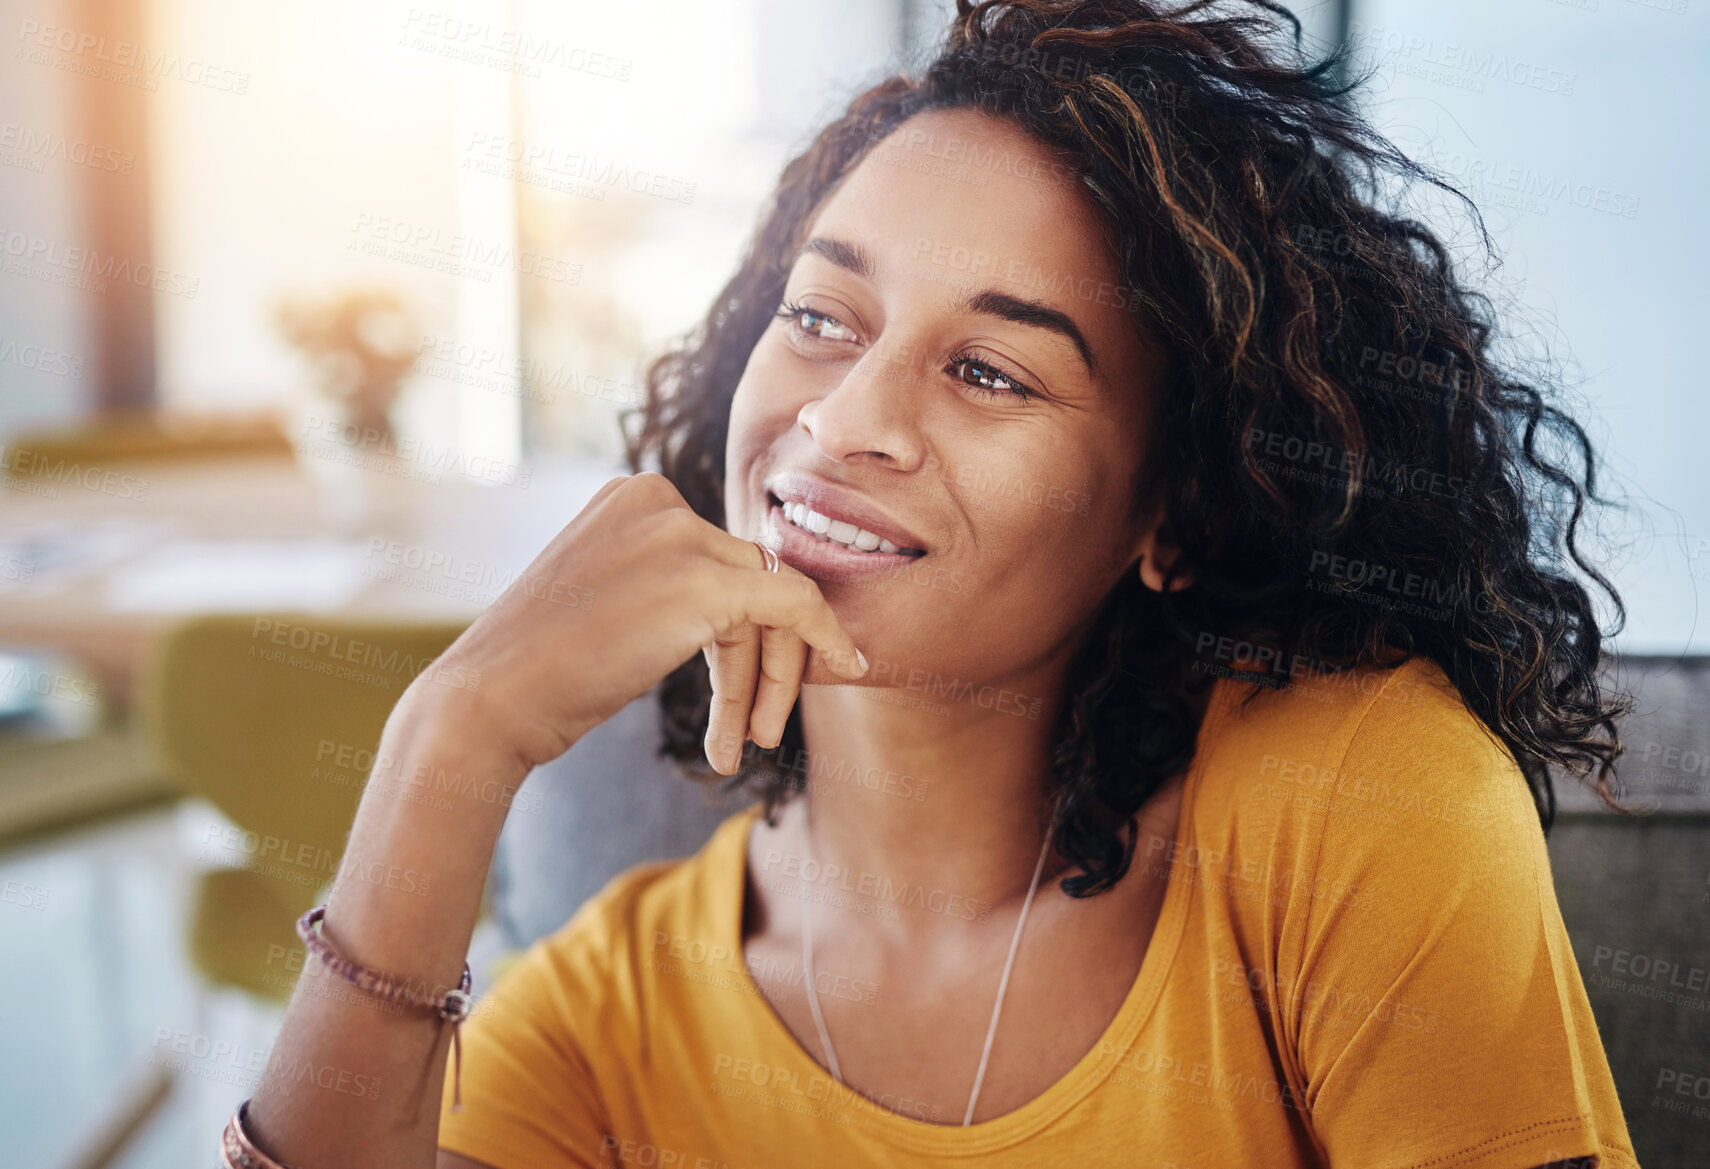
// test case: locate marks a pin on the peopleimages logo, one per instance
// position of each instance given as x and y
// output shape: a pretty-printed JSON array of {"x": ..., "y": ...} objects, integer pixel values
[
  {"x": 1409, "y": 369},
  {"x": 22, "y": 676},
  {"x": 48, "y": 145},
  {"x": 23, "y": 893},
  {"x": 876, "y": 886},
  {"x": 535, "y": 378},
  {"x": 974, "y": 264},
  {"x": 20, "y": 465},
  {"x": 484, "y": 43},
  {"x": 334, "y": 651},
  {"x": 898, "y": 675},
  {"x": 539, "y": 164},
  {"x": 49, "y": 361},
  {"x": 74, "y": 266},
  {"x": 1464, "y": 66},
  {"x": 1329, "y": 464},
  {"x": 336, "y": 760},
  {"x": 455, "y": 253},
  {"x": 1354, "y": 579},
  {"x": 1528, "y": 189},
  {"x": 428, "y": 460},
  {"x": 121, "y": 61}
]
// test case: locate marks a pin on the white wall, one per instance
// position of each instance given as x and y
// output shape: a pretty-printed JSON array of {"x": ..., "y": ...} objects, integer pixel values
[
  {"x": 47, "y": 357},
  {"x": 1578, "y": 129},
  {"x": 347, "y": 129}
]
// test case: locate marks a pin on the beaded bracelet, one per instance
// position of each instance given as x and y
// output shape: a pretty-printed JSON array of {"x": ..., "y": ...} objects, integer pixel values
[
  {"x": 453, "y": 1006},
  {"x": 237, "y": 1151}
]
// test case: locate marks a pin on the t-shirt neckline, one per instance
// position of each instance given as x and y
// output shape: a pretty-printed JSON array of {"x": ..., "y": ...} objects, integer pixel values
[{"x": 1088, "y": 1072}]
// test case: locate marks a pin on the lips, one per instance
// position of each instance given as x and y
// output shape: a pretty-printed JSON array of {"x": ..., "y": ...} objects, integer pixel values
[
  {"x": 842, "y": 516},
  {"x": 799, "y": 505}
]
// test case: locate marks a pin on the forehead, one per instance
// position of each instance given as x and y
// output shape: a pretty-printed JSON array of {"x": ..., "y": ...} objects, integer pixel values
[{"x": 962, "y": 197}]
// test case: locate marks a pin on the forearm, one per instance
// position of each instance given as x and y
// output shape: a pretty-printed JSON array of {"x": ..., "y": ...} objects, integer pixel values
[
  {"x": 352, "y": 1080},
  {"x": 670, "y": 584}
]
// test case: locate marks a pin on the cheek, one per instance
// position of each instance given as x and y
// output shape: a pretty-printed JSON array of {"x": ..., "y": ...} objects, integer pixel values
[
  {"x": 1052, "y": 553},
  {"x": 1048, "y": 523},
  {"x": 1030, "y": 495},
  {"x": 760, "y": 401},
  {"x": 758, "y": 415},
  {"x": 1056, "y": 571}
]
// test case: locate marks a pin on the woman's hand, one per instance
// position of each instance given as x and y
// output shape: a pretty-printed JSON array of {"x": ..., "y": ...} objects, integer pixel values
[{"x": 628, "y": 591}]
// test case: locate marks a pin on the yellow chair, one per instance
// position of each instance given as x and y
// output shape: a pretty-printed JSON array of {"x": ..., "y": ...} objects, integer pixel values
[{"x": 273, "y": 719}]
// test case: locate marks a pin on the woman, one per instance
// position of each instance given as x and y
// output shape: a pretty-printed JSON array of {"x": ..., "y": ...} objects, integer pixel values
[{"x": 1155, "y": 523}]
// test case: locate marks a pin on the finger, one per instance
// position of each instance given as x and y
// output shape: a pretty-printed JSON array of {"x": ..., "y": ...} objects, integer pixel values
[
  {"x": 783, "y": 656},
  {"x": 652, "y": 491},
  {"x": 733, "y": 550},
  {"x": 606, "y": 488},
  {"x": 586, "y": 515},
  {"x": 733, "y": 663},
  {"x": 788, "y": 600},
  {"x": 784, "y": 599}
]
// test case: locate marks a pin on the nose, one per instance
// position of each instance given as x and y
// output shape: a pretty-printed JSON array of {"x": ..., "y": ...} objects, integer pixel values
[{"x": 871, "y": 415}]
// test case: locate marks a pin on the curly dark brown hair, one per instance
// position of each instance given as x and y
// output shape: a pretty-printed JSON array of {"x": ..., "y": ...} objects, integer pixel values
[{"x": 1334, "y": 421}]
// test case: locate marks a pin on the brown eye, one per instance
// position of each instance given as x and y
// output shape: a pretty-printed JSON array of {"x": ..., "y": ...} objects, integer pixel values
[
  {"x": 987, "y": 379},
  {"x": 815, "y": 324}
]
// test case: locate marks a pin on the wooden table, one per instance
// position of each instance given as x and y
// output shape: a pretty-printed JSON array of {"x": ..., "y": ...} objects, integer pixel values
[{"x": 419, "y": 549}]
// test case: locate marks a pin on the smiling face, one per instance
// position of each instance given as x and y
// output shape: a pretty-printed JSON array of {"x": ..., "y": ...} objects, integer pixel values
[{"x": 952, "y": 372}]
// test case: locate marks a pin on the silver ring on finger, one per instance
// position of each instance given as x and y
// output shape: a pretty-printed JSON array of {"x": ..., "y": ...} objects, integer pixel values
[{"x": 769, "y": 558}]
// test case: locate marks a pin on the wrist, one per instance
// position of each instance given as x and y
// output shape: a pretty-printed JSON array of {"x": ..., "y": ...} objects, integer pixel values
[
  {"x": 408, "y": 887},
  {"x": 449, "y": 749},
  {"x": 501, "y": 733}
]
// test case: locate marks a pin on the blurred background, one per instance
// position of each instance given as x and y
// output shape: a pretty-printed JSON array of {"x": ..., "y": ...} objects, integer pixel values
[{"x": 315, "y": 323}]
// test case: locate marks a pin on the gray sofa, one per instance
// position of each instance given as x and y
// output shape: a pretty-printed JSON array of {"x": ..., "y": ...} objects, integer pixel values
[
  {"x": 606, "y": 804},
  {"x": 1634, "y": 891}
]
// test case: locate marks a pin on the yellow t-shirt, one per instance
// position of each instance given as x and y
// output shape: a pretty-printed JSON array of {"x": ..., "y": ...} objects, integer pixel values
[{"x": 1359, "y": 962}]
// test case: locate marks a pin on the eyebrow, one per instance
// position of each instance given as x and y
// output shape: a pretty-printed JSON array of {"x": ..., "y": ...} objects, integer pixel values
[
  {"x": 854, "y": 258},
  {"x": 850, "y": 257},
  {"x": 992, "y": 303}
]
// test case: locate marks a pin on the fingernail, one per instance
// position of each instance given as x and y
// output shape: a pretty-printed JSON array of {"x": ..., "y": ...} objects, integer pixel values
[{"x": 861, "y": 660}]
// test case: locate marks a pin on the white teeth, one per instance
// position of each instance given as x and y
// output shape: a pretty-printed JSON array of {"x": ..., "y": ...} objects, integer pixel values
[{"x": 840, "y": 531}]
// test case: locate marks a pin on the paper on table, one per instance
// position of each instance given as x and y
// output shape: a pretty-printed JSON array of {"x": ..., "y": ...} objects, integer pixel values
[
  {"x": 224, "y": 576},
  {"x": 40, "y": 559}
]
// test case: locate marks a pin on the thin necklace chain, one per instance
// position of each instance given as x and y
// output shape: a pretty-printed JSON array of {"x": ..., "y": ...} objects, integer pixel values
[{"x": 1003, "y": 983}]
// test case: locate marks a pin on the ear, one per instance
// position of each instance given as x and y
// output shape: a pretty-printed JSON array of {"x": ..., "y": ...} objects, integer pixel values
[{"x": 1155, "y": 552}]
